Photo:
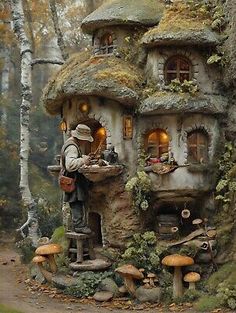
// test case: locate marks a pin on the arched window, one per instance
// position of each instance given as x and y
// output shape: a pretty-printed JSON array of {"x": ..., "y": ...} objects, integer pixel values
[
  {"x": 156, "y": 143},
  {"x": 197, "y": 147},
  {"x": 106, "y": 44},
  {"x": 178, "y": 67}
]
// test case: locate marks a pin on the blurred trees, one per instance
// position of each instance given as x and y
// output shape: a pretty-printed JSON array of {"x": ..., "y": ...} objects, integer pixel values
[{"x": 45, "y": 138}]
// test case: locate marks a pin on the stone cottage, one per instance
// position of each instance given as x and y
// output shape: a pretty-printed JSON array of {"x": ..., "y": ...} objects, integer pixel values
[{"x": 145, "y": 86}]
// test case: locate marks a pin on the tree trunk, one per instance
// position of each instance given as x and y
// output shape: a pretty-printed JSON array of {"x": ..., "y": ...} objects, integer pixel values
[
  {"x": 5, "y": 84},
  {"x": 60, "y": 39},
  {"x": 26, "y": 101}
]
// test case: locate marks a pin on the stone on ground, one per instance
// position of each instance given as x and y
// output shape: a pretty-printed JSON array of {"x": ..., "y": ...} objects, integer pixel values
[
  {"x": 102, "y": 296},
  {"x": 152, "y": 295},
  {"x": 108, "y": 284}
]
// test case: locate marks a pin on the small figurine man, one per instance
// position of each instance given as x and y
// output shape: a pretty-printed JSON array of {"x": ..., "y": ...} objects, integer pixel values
[{"x": 72, "y": 160}]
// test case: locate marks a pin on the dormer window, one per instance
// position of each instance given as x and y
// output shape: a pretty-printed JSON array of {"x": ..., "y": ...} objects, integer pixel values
[
  {"x": 104, "y": 42},
  {"x": 156, "y": 143},
  {"x": 178, "y": 67},
  {"x": 106, "y": 45},
  {"x": 197, "y": 147}
]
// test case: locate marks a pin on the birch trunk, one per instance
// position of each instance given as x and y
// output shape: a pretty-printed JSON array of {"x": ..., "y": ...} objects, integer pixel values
[
  {"x": 5, "y": 84},
  {"x": 26, "y": 101}
]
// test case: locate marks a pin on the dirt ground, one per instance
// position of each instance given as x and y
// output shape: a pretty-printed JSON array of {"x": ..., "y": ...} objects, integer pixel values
[{"x": 16, "y": 292}]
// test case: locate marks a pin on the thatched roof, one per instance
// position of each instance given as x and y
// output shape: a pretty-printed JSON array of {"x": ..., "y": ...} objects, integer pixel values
[
  {"x": 128, "y": 12},
  {"x": 181, "y": 26},
  {"x": 83, "y": 75},
  {"x": 174, "y": 103}
]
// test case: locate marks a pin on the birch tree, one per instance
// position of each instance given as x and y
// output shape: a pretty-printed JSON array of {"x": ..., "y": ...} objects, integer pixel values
[{"x": 26, "y": 101}]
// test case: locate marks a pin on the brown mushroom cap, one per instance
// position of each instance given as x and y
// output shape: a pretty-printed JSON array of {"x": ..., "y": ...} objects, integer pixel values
[
  {"x": 51, "y": 248},
  {"x": 39, "y": 259},
  {"x": 197, "y": 221},
  {"x": 129, "y": 270},
  {"x": 177, "y": 260},
  {"x": 192, "y": 277},
  {"x": 151, "y": 275}
]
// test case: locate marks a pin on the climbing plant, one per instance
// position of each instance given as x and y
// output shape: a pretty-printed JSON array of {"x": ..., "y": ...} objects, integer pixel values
[{"x": 140, "y": 187}]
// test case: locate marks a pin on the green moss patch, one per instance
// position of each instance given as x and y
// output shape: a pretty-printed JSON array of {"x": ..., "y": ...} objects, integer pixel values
[
  {"x": 207, "y": 304},
  {"x": 180, "y": 17},
  {"x": 6, "y": 309},
  {"x": 83, "y": 75}
]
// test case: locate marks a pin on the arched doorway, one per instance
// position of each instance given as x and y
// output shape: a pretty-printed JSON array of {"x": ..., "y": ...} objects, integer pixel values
[
  {"x": 94, "y": 221},
  {"x": 99, "y": 135}
]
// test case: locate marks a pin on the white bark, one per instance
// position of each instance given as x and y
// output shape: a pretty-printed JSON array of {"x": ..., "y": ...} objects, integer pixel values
[
  {"x": 26, "y": 101},
  {"x": 5, "y": 84}
]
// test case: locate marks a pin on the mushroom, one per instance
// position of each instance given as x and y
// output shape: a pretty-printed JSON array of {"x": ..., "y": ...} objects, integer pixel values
[
  {"x": 146, "y": 282},
  {"x": 129, "y": 272},
  {"x": 151, "y": 277},
  {"x": 177, "y": 261},
  {"x": 123, "y": 289},
  {"x": 39, "y": 259},
  {"x": 197, "y": 222},
  {"x": 192, "y": 278},
  {"x": 49, "y": 251}
]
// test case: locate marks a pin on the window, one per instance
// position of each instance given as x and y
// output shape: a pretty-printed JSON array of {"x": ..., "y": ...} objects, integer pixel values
[
  {"x": 157, "y": 143},
  {"x": 197, "y": 147},
  {"x": 106, "y": 44},
  {"x": 177, "y": 68}
]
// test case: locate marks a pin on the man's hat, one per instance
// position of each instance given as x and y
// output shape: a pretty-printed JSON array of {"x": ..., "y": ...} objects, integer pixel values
[{"x": 82, "y": 132}]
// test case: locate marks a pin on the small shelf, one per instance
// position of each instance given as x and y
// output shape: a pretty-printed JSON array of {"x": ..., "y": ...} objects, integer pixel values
[
  {"x": 54, "y": 170},
  {"x": 97, "y": 173}
]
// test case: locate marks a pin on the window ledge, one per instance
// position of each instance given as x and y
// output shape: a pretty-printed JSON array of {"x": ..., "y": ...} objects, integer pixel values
[{"x": 199, "y": 168}]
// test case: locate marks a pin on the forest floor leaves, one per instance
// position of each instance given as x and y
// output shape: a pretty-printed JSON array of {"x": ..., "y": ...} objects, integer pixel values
[{"x": 18, "y": 292}]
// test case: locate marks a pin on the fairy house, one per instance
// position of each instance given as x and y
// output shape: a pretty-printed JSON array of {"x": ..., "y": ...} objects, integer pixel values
[{"x": 123, "y": 88}]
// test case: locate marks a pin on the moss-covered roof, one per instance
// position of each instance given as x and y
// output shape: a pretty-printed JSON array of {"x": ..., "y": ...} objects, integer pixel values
[
  {"x": 182, "y": 26},
  {"x": 128, "y": 12},
  {"x": 83, "y": 75},
  {"x": 174, "y": 103}
]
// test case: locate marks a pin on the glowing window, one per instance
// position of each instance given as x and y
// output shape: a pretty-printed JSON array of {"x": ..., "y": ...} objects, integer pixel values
[
  {"x": 197, "y": 147},
  {"x": 177, "y": 68},
  {"x": 157, "y": 143}
]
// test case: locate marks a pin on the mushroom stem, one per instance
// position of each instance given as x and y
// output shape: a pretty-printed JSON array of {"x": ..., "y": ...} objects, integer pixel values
[
  {"x": 129, "y": 284},
  {"x": 52, "y": 263},
  {"x": 46, "y": 274},
  {"x": 177, "y": 282},
  {"x": 192, "y": 286}
]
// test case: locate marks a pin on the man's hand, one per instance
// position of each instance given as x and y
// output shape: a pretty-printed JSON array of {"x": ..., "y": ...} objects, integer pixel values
[{"x": 86, "y": 159}]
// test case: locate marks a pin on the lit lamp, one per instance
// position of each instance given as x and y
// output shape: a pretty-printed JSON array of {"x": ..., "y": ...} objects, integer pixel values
[
  {"x": 128, "y": 127},
  {"x": 84, "y": 108},
  {"x": 63, "y": 126}
]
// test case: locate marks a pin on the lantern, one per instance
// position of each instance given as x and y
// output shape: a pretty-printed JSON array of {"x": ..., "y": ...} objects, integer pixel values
[
  {"x": 63, "y": 126},
  {"x": 128, "y": 127},
  {"x": 84, "y": 108}
]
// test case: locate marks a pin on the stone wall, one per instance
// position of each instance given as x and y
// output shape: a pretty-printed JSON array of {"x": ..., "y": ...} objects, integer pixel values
[{"x": 207, "y": 77}]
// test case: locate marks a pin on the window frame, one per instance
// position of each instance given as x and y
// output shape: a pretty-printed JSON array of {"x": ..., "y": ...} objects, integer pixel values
[
  {"x": 198, "y": 146},
  {"x": 178, "y": 71},
  {"x": 158, "y": 146}
]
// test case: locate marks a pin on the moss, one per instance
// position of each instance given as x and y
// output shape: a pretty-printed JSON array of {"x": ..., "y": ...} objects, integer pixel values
[
  {"x": 207, "y": 303},
  {"x": 226, "y": 274},
  {"x": 6, "y": 309},
  {"x": 58, "y": 237},
  {"x": 85, "y": 75},
  {"x": 179, "y": 17}
]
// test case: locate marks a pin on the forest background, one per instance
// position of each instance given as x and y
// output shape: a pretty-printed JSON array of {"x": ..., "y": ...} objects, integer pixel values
[{"x": 45, "y": 136}]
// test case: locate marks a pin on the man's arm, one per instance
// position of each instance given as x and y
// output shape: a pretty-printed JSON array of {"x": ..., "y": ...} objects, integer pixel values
[{"x": 72, "y": 161}]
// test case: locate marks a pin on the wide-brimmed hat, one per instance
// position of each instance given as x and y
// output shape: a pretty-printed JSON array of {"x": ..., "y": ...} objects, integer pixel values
[{"x": 82, "y": 132}]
